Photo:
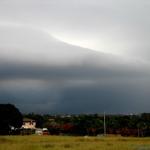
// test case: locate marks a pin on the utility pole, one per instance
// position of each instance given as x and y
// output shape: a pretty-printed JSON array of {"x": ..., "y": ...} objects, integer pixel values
[{"x": 104, "y": 125}]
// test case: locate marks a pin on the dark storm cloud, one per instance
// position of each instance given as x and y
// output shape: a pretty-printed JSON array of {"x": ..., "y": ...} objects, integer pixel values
[
  {"x": 74, "y": 72},
  {"x": 110, "y": 95},
  {"x": 110, "y": 98},
  {"x": 47, "y": 63},
  {"x": 74, "y": 89}
]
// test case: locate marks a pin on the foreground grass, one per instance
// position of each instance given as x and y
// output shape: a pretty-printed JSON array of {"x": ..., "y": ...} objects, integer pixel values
[{"x": 72, "y": 143}]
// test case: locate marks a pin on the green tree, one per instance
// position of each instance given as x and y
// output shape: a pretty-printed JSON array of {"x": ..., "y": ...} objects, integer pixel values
[{"x": 10, "y": 116}]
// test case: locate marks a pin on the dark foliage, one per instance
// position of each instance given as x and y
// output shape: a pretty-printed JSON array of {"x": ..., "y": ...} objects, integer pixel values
[
  {"x": 10, "y": 116},
  {"x": 92, "y": 124}
]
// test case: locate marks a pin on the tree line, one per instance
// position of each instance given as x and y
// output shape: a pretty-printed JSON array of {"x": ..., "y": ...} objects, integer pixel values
[
  {"x": 93, "y": 124},
  {"x": 81, "y": 124}
]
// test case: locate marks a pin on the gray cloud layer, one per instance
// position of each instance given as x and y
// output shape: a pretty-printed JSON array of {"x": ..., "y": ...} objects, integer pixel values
[{"x": 41, "y": 69}]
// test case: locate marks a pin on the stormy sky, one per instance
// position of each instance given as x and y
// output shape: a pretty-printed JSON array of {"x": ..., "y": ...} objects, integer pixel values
[{"x": 75, "y": 56}]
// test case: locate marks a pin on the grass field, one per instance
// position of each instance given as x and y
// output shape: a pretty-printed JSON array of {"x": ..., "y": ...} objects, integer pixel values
[{"x": 72, "y": 143}]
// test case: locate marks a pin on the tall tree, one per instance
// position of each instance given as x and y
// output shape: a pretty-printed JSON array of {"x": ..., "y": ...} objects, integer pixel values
[{"x": 10, "y": 116}]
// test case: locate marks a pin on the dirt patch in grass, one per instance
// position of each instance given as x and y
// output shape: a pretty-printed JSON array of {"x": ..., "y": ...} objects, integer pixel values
[
  {"x": 49, "y": 146},
  {"x": 5, "y": 140}
]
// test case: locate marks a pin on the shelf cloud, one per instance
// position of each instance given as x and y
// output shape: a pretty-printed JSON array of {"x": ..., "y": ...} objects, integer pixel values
[{"x": 75, "y": 56}]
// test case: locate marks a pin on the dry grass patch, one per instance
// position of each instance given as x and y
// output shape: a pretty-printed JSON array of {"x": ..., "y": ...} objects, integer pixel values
[{"x": 72, "y": 143}]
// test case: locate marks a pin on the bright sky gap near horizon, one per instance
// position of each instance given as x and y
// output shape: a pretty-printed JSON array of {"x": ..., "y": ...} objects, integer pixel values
[{"x": 83, "y": 56}]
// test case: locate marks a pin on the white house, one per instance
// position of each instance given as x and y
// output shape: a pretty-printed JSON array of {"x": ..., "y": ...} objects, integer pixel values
[{"x": 29, "y": 123}]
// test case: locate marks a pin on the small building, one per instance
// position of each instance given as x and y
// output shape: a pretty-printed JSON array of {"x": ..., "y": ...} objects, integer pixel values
[
  {"x": 28, "y": 124},
  {"x": 40, "y": 131},
  {"x": 45, "y": 131}
]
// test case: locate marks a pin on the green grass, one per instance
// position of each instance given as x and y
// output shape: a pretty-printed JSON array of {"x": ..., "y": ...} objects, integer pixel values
[{"x": 72, "y": 143}]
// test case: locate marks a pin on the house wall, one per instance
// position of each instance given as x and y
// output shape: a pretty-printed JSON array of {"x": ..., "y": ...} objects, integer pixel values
[{"x": 29, "y": 125}]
